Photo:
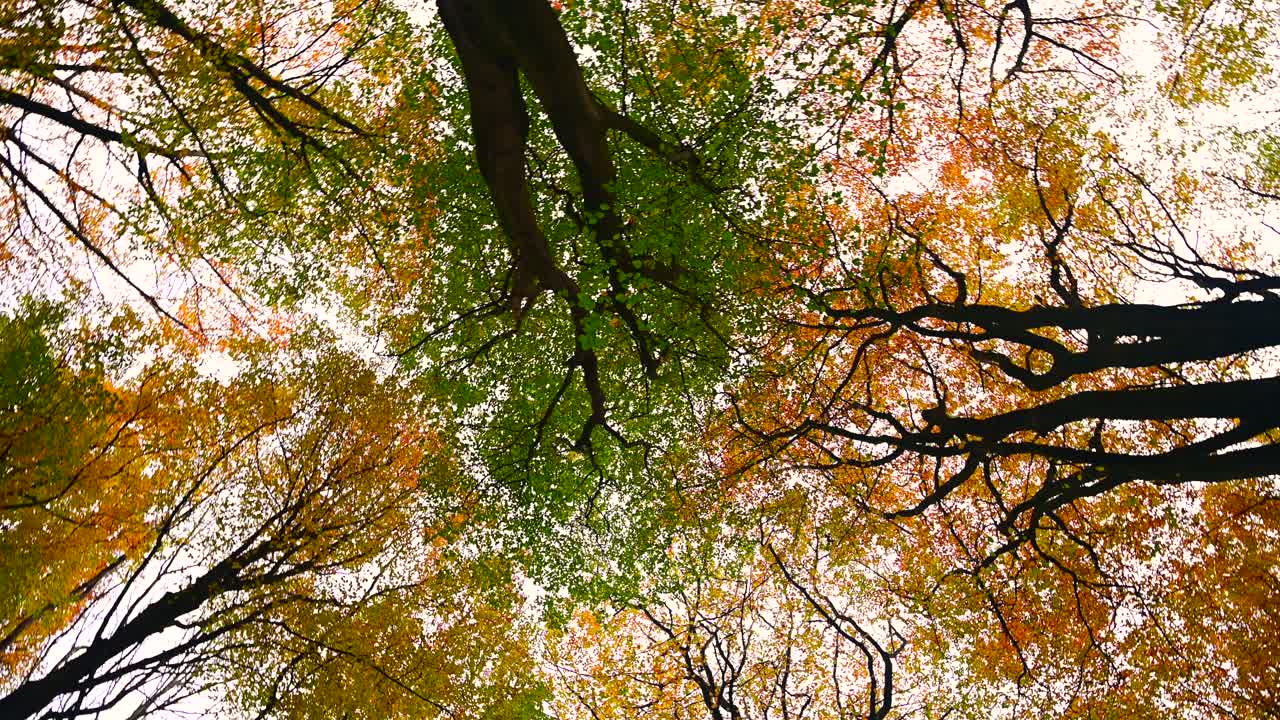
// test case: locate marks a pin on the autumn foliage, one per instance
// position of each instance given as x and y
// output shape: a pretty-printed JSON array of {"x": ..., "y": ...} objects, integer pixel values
[{"x": 623, "y": 359}]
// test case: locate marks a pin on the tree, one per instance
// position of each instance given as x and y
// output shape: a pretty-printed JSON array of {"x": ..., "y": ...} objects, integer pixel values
[
  {"x": 75, "y": 495},
  {"x": 290, "y": 549},
  {"x": 736, "y": 641},
  {"x": 967, "y": 368},
  {"x": 141, "y": 131},
  {"x": 757, "y": 337},
  {"x": 640, "y": 256}
]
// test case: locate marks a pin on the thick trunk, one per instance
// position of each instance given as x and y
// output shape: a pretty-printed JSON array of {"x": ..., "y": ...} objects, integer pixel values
[
  {"x": 497, "y": 40},
  {"x": 1234, "y": 399},
  {"x": 77, "y": 674}
]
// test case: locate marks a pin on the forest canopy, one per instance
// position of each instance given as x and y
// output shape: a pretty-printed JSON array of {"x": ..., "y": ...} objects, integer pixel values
[{"x": 620, "y": 359}]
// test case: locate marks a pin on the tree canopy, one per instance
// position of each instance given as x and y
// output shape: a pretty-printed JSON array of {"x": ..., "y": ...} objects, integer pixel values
[{"x": 596, "y": 359}]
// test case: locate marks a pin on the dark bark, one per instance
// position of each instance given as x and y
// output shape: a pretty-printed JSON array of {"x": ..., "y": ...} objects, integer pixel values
[
  {"x": 1043, "y": 348},
  {"x": 500, "y": 125},
  {"x": 76, "y": 674},
  {"x": 497, "y": 41},
  {"x": 1244, "y": 399},
  {"x": 1119, "y": 335}
]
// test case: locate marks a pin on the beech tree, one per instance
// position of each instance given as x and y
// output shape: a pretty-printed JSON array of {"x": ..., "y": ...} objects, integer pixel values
[
  {"x": 969, "y": 370},
  {"x": 872, "y": 358},
  {"x": 290, "y": 550}
]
